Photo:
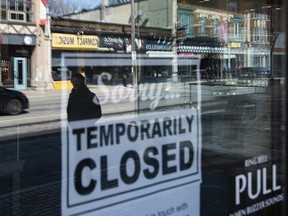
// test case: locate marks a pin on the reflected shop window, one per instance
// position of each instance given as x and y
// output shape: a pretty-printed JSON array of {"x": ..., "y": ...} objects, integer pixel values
[{"x": 143, "y": 108}]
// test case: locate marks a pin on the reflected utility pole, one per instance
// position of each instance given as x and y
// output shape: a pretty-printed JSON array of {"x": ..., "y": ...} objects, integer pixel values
[
  {"x": 1, "y": 37},
  {"x": 273, "y": 38},
  {"x": 133, "y": 53},
  {"x": 174, "y": 45},
  {"x": 0, "y": 58},
  {"x": 133, "y": 48}
]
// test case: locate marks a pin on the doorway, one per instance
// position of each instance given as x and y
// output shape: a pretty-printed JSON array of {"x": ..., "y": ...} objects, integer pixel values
[{"x": 20, "y": 73}]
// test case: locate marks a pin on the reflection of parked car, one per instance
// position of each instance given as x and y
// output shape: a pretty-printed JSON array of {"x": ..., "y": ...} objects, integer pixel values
[
  {"x": 252, "y": 72},
  {"x": 12, "y": 102}
]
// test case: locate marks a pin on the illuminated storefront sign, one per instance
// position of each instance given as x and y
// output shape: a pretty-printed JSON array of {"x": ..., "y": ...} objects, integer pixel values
[{"x": 73, "y": 42}]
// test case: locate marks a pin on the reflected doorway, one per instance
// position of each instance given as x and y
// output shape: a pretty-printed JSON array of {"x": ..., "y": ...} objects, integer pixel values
[{"x": 20, "y": 73}]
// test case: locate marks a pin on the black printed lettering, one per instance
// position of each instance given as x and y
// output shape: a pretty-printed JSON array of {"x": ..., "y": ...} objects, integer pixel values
[
  {"x": 78, "y": 133},
  {"x": 175, "y": 126},
  {"x": 167, "y": 130},
  {"x": 181, "y": 129},
  {"x": 106, "y": 137},
  {"x": 166, "y": 157},
  {"x": 105, "y": 182},
  {"x": 120, "y": 131},
  {"x": 156, "y": 130},
  {"x": 132, "y": 132},
  {"x": 123, "y": 167},
  {"x": 189, "y": 120},
  {"x": 186, "y": 162},
  {"x": 78, "y": 177},
  {"x": 145, "y": 126},
  {"x": 90, "y": 136},
  {"x": 153, "y": 162}
]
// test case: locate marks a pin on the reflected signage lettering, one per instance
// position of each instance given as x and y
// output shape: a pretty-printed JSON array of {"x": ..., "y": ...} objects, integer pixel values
[
  {"x": 154, "y": 46},
  {"x": 70, "y": 41}
]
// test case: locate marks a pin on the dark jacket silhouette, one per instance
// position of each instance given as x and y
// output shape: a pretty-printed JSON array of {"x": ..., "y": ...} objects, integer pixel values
[{"x": 82, "y": 103}]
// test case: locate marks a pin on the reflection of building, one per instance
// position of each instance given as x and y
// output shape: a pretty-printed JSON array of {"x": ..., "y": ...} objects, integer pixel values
[
  {"x": 98, "y": 38},
  {"x": 244, "y": 37},
  {"x": 230, "y": 39},
  {"x": 24, "y": 60},
  {"x": 216, "y": 35},
  {"x": 279, "y": 55},
  {"x": 257, "y": 38},
  {"x": 234, "y": 38}
]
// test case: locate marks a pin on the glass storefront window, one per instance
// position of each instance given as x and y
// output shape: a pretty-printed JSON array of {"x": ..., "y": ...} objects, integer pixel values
[{"x": 180, "y": 111}]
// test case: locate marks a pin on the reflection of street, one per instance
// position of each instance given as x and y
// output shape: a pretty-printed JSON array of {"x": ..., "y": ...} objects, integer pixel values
[
  {"x": 245, "y": 118},
  {"x": 39, "y": 154},
  {"x": 31, "y": 143},
  {"x": 228, "y": 111}
]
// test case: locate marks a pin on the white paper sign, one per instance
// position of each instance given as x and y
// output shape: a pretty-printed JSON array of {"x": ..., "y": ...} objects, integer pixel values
[{"x": 133, "y": 165}]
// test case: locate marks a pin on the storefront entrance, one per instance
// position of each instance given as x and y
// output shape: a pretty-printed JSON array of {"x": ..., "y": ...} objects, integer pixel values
[{"x": 20, "y": 73}]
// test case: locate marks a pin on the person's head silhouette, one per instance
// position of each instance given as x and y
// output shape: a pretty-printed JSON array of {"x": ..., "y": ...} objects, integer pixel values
[{"x": 77, "y": 80}]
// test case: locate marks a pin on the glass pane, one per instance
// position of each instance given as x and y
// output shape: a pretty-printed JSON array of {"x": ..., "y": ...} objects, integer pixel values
[
  {"x": 12, "y": 5},
  {"x": 3, "y": 4},
  {"x": 3, "y": 15},
  {"x": 20, "y": 72},
  {"x": 13, "y": 16},
  {"x": 149, "y": 108},
  {"x": 28, "y": 7},
  {"x": 20, "y": 6}
]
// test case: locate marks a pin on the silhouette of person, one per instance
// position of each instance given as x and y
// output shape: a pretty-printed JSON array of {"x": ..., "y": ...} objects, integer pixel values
[{"x": 82, "y": 103}]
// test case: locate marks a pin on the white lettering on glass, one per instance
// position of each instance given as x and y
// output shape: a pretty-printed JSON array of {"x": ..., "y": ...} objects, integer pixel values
[
  {"x": 244, "y": 185},
  {"x": 146, "y": 92}
]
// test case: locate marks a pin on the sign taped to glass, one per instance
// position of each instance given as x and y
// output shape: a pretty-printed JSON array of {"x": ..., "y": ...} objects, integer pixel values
[{"x": 121, "y": 164}]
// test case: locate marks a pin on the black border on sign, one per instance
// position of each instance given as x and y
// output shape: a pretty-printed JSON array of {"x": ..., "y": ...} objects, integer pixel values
[{"x": 136, "y": 189}]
